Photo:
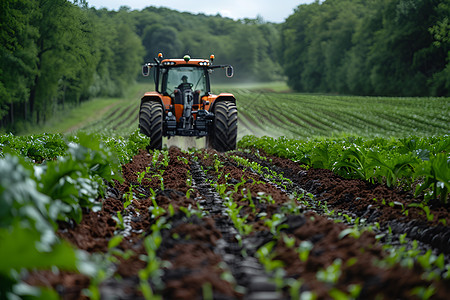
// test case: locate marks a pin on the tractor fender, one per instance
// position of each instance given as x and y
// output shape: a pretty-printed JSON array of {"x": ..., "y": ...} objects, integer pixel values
[
  {"x": 152, "y": 96},
  {"x": 222, "y": 97},
  {"x": 156, "y": 97}
]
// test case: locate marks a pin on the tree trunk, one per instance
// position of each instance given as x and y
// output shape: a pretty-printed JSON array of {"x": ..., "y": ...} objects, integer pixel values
[
  {"x": 32, "y": 98},
  {"x": 11, "y": 111}
]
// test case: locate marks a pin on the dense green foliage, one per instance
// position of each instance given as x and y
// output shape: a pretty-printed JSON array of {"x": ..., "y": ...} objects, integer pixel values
[
  {"x": 55, "y": 53},
  {"x": 379, "y": 47},
  {"x": 34, "y": 197},
  {"x": 387, "y": 161}
]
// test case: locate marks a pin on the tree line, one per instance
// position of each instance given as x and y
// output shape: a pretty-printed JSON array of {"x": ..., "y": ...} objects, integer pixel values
[
  {"x": 369, "y": 47},
  {"x": 54, "y": 54}
]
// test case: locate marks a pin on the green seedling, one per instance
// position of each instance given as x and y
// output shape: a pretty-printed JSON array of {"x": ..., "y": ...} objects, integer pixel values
[
  {"x": 161, "y": 179},
  {"x": 275, "y": 223},
  {"x": 354, "y": 291},
  {"x": 266, "y": 255},
  {"x": 265, "y": 198},
  {"x": 128, "y": 197},
  {"x": 424, "y": 292},
  {"x": 217, "y": 163},
  {"x": 189, "y": 179},
  {"x": 304, "y": 249},
  {"x": 171, "y": 210},
  {"x": 113, "y": 251},
  {"x": 165, "y": 160},
  {"x": 294, "y": 286},
  {"x": 425, "y": 208},
  {"x": 154, "y": 267},
  {"x": 207, "y": 291},
  {"x": 188, "y": 193},
  {"x": 183, "y": 159},
  {"x": 140, "y": 176},
  {"x": 332, "y": 273},
  {"x": 189, "y": 211},
  {"x": 248, "y": 197},
  {"x": 119, "y": 221},
  {"x": 155, "y": 210},
  {"x": 288, "y": 241},
  {"x": 155, "y": 158},
  {"x": 221, "y": 189},
  {"x": 402, "y": 238}
]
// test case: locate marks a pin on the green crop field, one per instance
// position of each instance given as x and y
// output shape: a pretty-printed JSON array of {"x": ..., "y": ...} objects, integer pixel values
[
  {"x": 273, "y": 110},
  {"x": 263, "y": 111}
]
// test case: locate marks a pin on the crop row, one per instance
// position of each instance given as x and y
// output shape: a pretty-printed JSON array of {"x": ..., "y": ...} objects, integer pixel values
[
  {"x": 302, "y": 116},
  {"x": 406, "y": 162},
  {"x": 122, "y": 119}
]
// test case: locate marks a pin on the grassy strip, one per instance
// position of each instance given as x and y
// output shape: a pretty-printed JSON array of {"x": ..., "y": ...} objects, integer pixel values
[{"x": 87, "y": 112}]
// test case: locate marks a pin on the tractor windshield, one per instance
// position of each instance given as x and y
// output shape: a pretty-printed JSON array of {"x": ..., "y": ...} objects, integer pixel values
[{"x": 180, "y": 77}]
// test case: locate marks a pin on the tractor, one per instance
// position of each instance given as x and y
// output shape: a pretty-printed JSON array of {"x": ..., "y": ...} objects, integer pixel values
[{"x": 183, "y": 105}]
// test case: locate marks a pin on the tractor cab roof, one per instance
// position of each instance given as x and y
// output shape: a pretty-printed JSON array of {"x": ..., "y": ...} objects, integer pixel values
[
  {"x": 161, "y": 62},
  {"x": 190, "y": 62}
]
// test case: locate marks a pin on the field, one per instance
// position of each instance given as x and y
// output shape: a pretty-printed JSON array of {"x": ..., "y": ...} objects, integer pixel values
[{"x": 352, "y": 203}]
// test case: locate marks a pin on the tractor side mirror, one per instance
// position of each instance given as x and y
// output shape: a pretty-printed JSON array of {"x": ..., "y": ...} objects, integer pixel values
[
  {"x": 229, "y": 71},
  {"x": 145, "y": 70}
]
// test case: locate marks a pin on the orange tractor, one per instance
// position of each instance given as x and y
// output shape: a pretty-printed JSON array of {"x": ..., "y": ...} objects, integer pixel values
[{"x": 182, "y": 103}]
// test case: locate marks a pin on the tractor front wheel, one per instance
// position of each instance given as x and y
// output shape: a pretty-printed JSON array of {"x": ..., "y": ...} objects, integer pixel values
[
  {"x": 224, "y": 128},
  {"x": 151, "y": 123}
]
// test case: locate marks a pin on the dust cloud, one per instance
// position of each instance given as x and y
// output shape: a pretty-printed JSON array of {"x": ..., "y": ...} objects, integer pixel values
[{"x": 185, "y": 142}]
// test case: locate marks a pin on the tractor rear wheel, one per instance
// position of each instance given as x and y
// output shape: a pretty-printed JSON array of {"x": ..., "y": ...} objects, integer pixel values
[
  {"x": 151, "y": 123},
  {"x": 224, "y": 128}
]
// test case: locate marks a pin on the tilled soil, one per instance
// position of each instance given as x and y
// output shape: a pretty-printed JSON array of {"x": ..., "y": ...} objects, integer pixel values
[{"x": 309, "y": 231}]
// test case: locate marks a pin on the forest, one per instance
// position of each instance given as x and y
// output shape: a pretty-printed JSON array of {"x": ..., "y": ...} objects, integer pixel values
[{"x": 55, "y": 54}]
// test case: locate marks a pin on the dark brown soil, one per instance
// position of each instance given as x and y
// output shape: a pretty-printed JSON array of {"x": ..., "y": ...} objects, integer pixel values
[{"x": 202, "y": 253}]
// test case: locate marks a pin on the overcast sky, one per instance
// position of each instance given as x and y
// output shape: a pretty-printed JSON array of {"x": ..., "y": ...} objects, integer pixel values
[{"x": 271, "y": 10}]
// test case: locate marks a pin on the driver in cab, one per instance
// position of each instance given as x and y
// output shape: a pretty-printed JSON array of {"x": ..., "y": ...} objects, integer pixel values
[{"x": 184, "y": 85}]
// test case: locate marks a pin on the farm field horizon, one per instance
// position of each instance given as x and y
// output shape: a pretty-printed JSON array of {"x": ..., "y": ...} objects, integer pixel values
[{"x": 271, "y": 109}]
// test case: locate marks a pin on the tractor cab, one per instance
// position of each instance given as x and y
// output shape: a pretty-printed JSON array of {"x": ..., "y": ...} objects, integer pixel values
[{"x": 182, "y": 90}]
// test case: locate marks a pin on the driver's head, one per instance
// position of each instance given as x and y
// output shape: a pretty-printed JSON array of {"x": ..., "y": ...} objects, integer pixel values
[{"x": 184, "y": 78}]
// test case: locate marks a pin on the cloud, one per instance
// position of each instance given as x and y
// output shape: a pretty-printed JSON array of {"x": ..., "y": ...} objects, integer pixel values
[{"x": 273, "y": 11}]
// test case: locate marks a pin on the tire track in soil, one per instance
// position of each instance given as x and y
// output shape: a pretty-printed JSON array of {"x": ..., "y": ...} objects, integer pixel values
[{"x": 247, "y": 270}]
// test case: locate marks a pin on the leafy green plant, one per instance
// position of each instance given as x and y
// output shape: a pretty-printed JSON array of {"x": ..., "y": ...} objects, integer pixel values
[
  {"x": 275, "y": 223},
  {"x": 161, "y": 179},
  {"x": 128, "y": 197},
  {"x": 425, "y": 208},
  {"x": 436, "y": 175},
  {"x": 332, "y": 273},
  {"x": 393, "y": 167},
  {"x": 303, "y": 250},
  {"x": 153, "y": 270},
  {"x": 266, "y": 255},
  {"x": 354, "y": 163},
  {"x": 424, "y": 292}
]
